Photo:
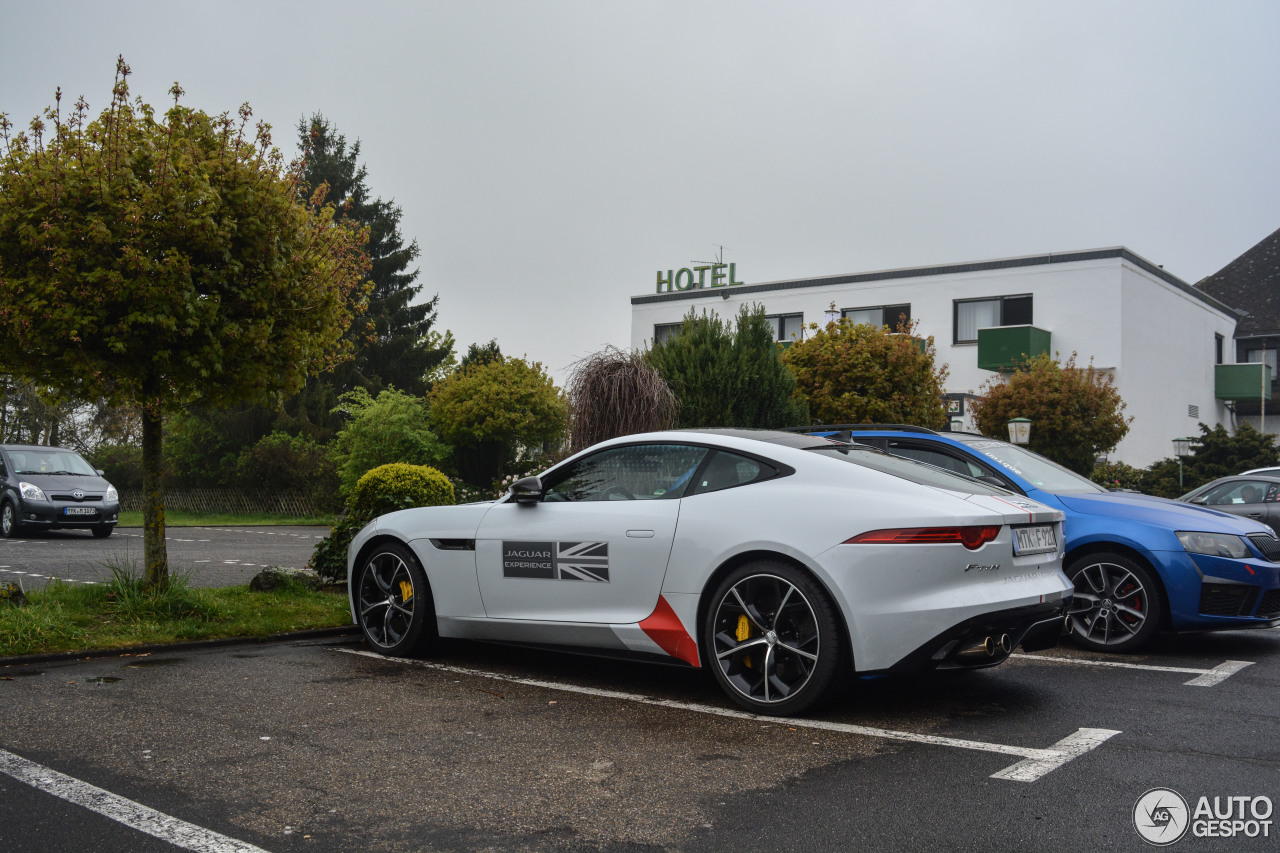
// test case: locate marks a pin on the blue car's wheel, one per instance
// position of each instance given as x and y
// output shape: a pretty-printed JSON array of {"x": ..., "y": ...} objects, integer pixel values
[{"x": 1117, "y": 606}]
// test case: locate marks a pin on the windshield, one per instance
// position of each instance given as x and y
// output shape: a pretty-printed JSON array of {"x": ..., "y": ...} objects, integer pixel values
[
  {"x": 1040, "y": 472},
  {"x": 907, "y": 469},
  {"x": 50, "y": 461}
]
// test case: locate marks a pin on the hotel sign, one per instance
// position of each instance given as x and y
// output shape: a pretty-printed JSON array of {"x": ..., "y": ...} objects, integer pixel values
[{"x": 695, "y": 278}]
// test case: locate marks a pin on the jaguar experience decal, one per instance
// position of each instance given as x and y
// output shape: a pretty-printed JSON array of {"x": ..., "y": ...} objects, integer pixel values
[{"x": 556, "y": 561}]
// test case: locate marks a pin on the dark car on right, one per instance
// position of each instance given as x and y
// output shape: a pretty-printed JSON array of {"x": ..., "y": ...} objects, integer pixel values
[
  {"x": 53, "y": 488},
  {"x": 1254, "y": 496}
]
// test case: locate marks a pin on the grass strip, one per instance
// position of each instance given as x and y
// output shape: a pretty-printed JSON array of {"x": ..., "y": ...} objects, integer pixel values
[{"x": 121, "y": 613}]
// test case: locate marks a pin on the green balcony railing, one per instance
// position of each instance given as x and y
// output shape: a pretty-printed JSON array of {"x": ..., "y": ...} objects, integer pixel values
[{"x": 1007, "y": 348}]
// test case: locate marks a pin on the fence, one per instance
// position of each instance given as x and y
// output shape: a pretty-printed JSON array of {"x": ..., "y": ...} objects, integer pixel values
[{"x": 228, "y": 501}]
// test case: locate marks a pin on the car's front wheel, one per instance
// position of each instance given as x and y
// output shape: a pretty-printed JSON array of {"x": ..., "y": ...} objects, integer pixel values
[
  {"x": 9, "y": 525},
  {"x": 102, "y": 531},
  {"x": 393, "y": 601},
  {"x": 1117, "y": 605},
  {"x": 772, "y": 638}
]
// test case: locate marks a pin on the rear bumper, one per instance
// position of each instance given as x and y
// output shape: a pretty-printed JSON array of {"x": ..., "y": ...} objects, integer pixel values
[{"x": 1034, "y": 627}]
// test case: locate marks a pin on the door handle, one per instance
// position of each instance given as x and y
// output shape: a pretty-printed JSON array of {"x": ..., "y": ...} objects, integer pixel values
[{"x": 639, "y": 534}]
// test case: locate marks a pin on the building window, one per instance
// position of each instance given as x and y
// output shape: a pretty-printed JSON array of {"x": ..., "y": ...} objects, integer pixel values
[
  {"x": 664, "y": 332},
  {"x": 880, "y": 315},
  {"x": 1262, "y": 356},
  {"x": 974, "y": 314},
  {"x": 1217, "y": 349},
  {"x": 787, "y": 327}
]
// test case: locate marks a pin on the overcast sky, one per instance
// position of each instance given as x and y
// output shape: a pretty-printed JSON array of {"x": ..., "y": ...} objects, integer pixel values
[{"x": 550, "y": 157}]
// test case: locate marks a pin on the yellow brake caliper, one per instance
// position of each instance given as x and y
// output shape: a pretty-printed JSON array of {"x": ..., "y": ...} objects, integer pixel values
[
  {"x": 406, "y": 591},
  {"x": 744, "y": 633}
]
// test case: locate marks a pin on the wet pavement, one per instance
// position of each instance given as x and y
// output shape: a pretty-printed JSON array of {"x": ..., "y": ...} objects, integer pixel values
[{"x": 315, "y": 746}]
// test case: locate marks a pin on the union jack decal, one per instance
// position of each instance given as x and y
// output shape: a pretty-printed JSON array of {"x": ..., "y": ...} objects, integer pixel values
[{"x": 583, "y": 561}]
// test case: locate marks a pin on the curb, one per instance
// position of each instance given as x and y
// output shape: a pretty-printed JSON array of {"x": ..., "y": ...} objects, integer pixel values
[{"x": 313, "y": 634}]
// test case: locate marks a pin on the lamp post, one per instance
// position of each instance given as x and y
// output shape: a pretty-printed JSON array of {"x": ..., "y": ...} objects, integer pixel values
[
  {"x": 1020, "y": 431},
  {"x": 1181, "y": 448}
]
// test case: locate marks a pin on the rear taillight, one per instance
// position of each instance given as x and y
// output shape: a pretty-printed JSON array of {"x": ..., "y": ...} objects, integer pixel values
[{"x": 972, "y": 538}]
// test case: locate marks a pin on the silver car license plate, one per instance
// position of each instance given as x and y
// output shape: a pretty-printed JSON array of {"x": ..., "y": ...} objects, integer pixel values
[
  {"x": 79, "y": 510},
  {"x": 1034, "y": 540}
]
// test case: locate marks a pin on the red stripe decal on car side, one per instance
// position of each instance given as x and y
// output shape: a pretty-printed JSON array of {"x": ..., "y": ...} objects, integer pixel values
[{"x": 663, "y": 626}]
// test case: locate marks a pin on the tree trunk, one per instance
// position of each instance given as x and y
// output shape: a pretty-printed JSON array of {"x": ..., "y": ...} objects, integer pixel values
[{"x": 155, "y": 555}]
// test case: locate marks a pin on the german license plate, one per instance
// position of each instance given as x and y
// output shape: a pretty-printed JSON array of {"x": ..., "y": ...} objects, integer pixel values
[
  {"x": 79, "y": 510},
  {"x": 1034, "y": 540}
]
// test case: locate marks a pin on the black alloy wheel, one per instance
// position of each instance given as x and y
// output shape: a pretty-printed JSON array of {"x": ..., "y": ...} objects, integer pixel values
[
  {"x": 1117, "y": 604},
  {"x": 772, "y": 638},
  {"x": 393, "y": 601}
]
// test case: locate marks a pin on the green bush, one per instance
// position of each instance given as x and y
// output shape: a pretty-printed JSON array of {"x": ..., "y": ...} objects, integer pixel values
[
  {"x": 1117, "y": 475},
  {"x": 1216, "y": 453},
  {"x": 728, "y": 373},
  {"x": 398, "y": 486},
  {"x": 386, "y": 488},
  {"x": 121, "y": 464},
  {"x": 283, "y": 462},
  {"x": 391, "y": 428},
  {"x": 500, "y": 417},
  {"x": 851, "y": 372}
]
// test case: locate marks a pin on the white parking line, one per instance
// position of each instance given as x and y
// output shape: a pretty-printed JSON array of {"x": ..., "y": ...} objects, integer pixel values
[
  {"x": 1035, "y": 763},
  {"x": 177, "y": 832},
  {"x": 1204, "y": 677}
]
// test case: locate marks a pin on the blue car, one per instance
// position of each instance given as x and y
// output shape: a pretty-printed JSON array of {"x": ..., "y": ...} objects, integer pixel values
[{"x": 1139, "y": 564}]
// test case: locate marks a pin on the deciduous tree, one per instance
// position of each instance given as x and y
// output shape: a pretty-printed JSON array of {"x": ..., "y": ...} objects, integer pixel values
[
  {"x": 1076, "y": 412},
  {"x": 497, "y": 415},
  {"x": 858, "y": 373},
  {"x": 164, "y": 262}
]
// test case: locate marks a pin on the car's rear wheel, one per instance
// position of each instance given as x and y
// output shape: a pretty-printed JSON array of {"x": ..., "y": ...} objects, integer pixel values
[
  {"x": 772, "y": 638},
  {"x": 1117, "y": 605},
  {"x": 393, "y": 601},
  {"x": 9, "y": 525}
]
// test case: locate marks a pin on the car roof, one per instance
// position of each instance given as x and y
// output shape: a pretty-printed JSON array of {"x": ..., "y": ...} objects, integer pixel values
[
  {"x": 1266, "y": 478},
  {"x": 34, "y": 447},
  {"x": 784, "y": 438}
]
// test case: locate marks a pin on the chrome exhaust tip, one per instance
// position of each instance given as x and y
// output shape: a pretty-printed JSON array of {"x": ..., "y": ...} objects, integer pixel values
[
  {"x": 1006, "y": 645},
  {"x": 1068, "y": 627}
]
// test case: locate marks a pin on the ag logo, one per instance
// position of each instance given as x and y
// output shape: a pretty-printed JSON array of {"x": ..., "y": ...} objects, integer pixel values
[
  {"x": 1161, "y": 816},
  {"x": 78, "y": 494}
]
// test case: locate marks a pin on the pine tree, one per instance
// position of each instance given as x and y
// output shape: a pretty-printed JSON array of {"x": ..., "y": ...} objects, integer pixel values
[{"x": 392, "y": 348}]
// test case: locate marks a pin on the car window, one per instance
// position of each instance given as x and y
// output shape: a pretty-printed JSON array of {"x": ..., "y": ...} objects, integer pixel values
[
  {"x": 726, "y": 470},
  {"x": 1239, "y": 492},
  {"x": 936, "y": 457},
  {"x": 633, "y": 472},
  {"x": 908, "y": 469},
  {"x": 51, "y": 461},
  {"x": 1033, "y": 467}
]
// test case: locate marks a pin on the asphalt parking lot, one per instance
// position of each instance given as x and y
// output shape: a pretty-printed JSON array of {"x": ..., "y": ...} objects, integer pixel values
[
  {"x": 318, "y": 745},
  {"x": 208, "y": 556}
]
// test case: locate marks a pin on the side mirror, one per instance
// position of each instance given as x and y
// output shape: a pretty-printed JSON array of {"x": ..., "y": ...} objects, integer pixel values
[
  {"x": 100, "y": 472},
  {"x": 527, "y": 490},
  {"x": 991, "y": 481}
]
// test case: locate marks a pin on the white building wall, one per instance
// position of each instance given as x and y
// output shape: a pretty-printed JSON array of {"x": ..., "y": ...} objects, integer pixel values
[
  {"x": 1168, "y": 361},
  {"x": 1156, "y": 339}
]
